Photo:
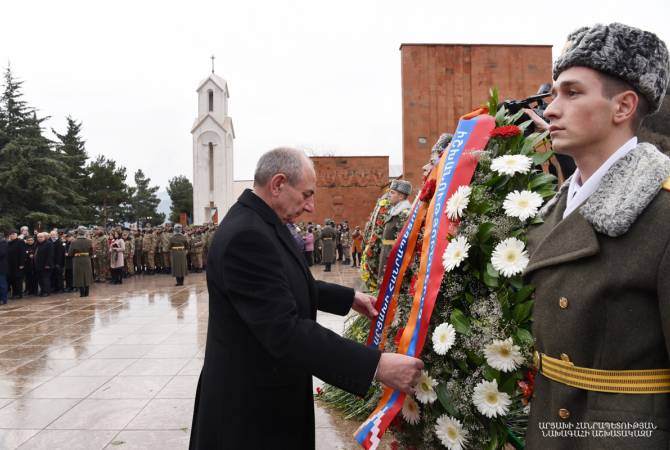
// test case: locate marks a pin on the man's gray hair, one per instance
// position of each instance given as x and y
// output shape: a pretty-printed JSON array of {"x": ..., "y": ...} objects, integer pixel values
[{"x": 289, "y": 161}]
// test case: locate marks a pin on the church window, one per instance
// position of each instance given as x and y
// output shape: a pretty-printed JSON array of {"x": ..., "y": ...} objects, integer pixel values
[
  {"x": 211, "y": 166},
  {"x": 210, "y": 95}
]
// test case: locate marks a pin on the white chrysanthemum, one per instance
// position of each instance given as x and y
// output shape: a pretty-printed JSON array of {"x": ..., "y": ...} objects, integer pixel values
[
  {"x": 503, "y": 355},
  {"x": 455, "y": 253},
  {"x": 458, "y": 202},
  {"x": 489, "y": 401},
  {"x": 511, "y": 164},
  {"x": 509, "y": 257},
  {"x": 450, "y": 432},
  {"x": 522, "y": 204},
  {"x": 410, "y": 410},
  {"x": 444, "y": 337},
  {"x": 424, "y": 389}
]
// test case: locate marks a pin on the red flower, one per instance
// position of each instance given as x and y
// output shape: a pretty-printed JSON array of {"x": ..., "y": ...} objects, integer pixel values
[
  {"x": 427, "y": 191},
  {"x": 379, "y": 222},
  {"x": 319, "y": 391},
  {"x": 398, "y": 335},
  {"x": 395, "y": 445},
  {"x": 412, "y": 286},
  {"x": 527, "y": 386},
  {"x": 508, "y": 131}
]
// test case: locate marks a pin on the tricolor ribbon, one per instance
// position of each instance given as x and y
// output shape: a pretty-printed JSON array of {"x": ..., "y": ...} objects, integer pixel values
[{"x": 456, "y": 168}]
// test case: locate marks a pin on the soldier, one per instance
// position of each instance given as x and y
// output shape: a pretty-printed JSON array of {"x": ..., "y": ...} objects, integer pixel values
[
  {"x": 80, "y": 251},
  {"x": 318, "y": 244},
  {"x": 196, "y": 248},
  {"x": 179, "y": 249},
  {"x": 158, "y": 253},
  {"x": 345, "y": 240},
  {"x": 69, "y": 237},
  {"x": 137, "y": 257},
  {"x": 328, "y": 235},
  {"x": 148, "y": 249},
  {"x": 128, "y": 254},
  {"x": 100, "y": 256},
  {"x": 600, "y": 259},
  {"x": 165, "y": 249},
  {"x": 394, "y": 220},
  {"x": 205, "y": 246}
]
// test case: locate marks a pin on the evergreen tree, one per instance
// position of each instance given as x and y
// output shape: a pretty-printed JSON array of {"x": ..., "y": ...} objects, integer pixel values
[
  {"x": 180, "y": 190},
  {"x": 144, "y": 202},
  {"x": 34, "y": 189},
  {"x": 73, "y": 150},
  {"x": 107, "y": 192}
]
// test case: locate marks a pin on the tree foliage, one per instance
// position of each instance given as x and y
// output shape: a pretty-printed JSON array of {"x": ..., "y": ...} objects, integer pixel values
[
  {"x": 144, "y": 202},
  {"x": 180, "y": 190}
]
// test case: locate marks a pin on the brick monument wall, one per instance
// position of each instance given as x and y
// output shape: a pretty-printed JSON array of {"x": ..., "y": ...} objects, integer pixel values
[
  {"x": 348, "y": 187},
  {"x": 441, "y": 82}
]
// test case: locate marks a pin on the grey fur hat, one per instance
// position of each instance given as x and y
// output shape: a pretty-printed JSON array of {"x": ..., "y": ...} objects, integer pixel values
[
  {"x": 402, "y": 186},
  {"x": 635, "y": 56},
  {"x": 81, "y": 231},
  {"x": 442, "y": 143}
]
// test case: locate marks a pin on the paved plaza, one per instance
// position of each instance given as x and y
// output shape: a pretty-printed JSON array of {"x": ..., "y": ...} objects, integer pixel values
[{"x": 117, "y": 370}]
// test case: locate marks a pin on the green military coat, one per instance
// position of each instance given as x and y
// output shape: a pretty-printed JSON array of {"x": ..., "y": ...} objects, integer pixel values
[
  {"x": 178, "y": 252},
  {"x": 328, "y": 235},
  {"x": 81, "y": 251},
  {"x": 602, "y": 301},
  {"x": 393, "y": 223}
]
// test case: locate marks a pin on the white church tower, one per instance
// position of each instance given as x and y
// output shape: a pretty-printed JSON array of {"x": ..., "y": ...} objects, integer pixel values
[{"x": 213, "y": 136}]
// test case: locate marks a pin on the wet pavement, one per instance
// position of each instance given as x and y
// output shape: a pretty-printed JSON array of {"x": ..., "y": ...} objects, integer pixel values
[{"x": 118, "y": 369}]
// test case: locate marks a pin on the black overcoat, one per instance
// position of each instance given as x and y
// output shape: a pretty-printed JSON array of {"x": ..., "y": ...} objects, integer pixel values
[{"x": 263, "y": 341}]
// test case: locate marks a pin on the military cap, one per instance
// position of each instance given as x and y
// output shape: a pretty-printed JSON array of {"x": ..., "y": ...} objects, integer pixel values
[{"x": 402, "y": 186}]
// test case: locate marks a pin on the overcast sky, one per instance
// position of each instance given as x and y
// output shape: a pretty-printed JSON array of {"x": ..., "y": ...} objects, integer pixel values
[{"x": 318, "y": 75}]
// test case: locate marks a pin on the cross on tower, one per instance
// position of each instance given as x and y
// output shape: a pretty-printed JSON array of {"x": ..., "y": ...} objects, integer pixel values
[{"x": 212, "y": 63}]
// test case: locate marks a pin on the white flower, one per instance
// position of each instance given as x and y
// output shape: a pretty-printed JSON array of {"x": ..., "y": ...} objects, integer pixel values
[
  {"x": 489, "y": 401},
  {"x": 450, "y": 432},
  {"x": 511, "y": 164},
  {"x": 458, "y": 202},
  {"x": 455, "y": 253},
  {"x": 443, "y": 338},
  {"x": 410, "y": 410},
  {"x": 424, "y": 389},
  {"x": 522, "y": 204},
  {"x": 509, "y": 257},
  {"x": 503, "y": 355}
]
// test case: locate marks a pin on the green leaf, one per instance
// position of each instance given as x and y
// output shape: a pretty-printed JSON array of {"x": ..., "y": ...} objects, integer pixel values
[
  {"x": 445, "y": 399},
  {"x": 490, "y": 281},
  {"x": 516, "y": 282},
  {"x": 540, "y": 179},
  {"x": 460, "y": 323},
  {"x": 484, "y": 232},
  {"x": 523, "y": 293},
  {"x": 540, "y": 158},
  {"x": 525, "y": 124},
  {"x": 524, "y": 336},
  {"x": 491, "y": 271},
  {"x": 522, "y": 311},
  {"x": 490, "y": 373},
  {"x": 469, "y": 297},
  {"x": 508, "y": 385},
  {"x": 547, "y": 192},
  {"x": 537, "y": 220}
]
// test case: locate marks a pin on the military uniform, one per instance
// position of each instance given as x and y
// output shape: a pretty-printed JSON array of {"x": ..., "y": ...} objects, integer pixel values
[
  {"x": 179, "y": 250},
  {"x": 196, "y": 251},
  {"x": 393, "y": 224},
  {"x": 328, "y": 236},
  {"x": 129, "y": 254},
  {"x": 345, "y": 240},
  {"x": 137, "y": 256},
  {"x": 165, "y": 250},
  {"x": 81, "y": 250},
  {"x": 101, "y": 257},
  {"x": 148, "y": 249}
]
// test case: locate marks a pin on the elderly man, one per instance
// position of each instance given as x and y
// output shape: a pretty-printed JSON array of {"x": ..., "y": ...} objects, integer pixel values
[
  {"x": 601, "y": 259},
  {"x": 263, "y": 341},
  {"x": 59, "y": 261},
  {"x": 394, "y": 220},
  {"x": 44, "y": 263}
]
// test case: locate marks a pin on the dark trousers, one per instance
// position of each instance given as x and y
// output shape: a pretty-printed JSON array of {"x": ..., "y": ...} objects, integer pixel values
[
  {"x": 117, "y": 275},
  {"x": 327, "y": 267},
  {"x": 15, "y": 282},
  {"x": 339, "y": 252},
  {"x": 31, "y": 283},
  {"x": 3, "y": 288},
  {"x": 57, "y": 279},
  {"x": 356, "y": 256},
  {"x": 44, "y": 279},
  {"x": 309, "y": 257},
  {"x": 68, "y": 276}
]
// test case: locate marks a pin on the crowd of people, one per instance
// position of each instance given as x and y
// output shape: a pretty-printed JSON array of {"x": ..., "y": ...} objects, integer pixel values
[
  {"x": 325, "y": 244},
  {"x": 41, "y": 263}
]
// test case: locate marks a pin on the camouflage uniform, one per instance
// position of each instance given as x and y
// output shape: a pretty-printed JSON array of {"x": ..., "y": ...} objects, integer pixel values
[
  {"x": 101, "y": 256},
  {"x": 137, "y": 256},
  {"x": 165, "y": 250},
  {"x": 128, "y": 254},
  {"x": 148, "y": 249},
  {"x": 196, "y": 251},
  {"x": 345, "y": 240},
  {"x": 158, "y": 254}
]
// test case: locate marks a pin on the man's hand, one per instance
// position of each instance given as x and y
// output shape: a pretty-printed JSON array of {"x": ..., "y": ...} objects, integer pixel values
[
  {"x": 539, "y": 122},
  {"x": 364, "y": 304},
  {"x": 399, "y": 371}
]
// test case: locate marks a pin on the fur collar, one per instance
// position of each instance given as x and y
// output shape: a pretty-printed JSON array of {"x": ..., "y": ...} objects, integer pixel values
[
  {"x": 624, "y": 192},
  {"x": 400, "y": 207}
]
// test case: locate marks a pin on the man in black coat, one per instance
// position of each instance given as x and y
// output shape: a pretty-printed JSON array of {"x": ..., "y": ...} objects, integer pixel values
[
  {"x": 4, "y": 268},
  {"x": 263, "y": 341},
  {"x": 44, "y": 262},
  {"x": 59, "y": 261},
  {"x": 29, "y": 265},
  {"x": 16, "y": 255}
]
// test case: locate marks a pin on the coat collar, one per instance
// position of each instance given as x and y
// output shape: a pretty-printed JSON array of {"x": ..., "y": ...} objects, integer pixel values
[{"x": 623, "y": 194}]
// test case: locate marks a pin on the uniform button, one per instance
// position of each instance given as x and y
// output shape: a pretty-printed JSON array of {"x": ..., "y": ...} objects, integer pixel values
[
  {"x": 563, "y": 302},
  {"x": 565, "y": 357},
  {"x": 563, "y": 413}
]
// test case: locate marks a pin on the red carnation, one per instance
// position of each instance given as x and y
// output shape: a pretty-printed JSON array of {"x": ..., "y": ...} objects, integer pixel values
[
  {"x": 508, "y": 131},
  {"x": 427, "y": 191},
  {"x": 319, "y": 391},
  {"x": 527, "y": 386}
]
